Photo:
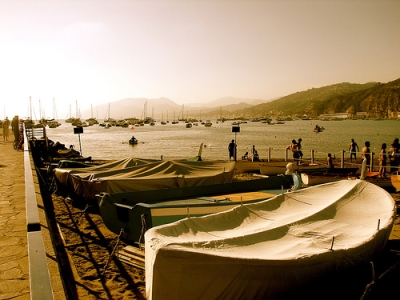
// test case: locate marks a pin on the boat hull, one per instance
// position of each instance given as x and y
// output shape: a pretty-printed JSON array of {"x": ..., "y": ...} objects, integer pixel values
[
  {"x": 135, "y": 212},
  {"x": 395, "y": 180},
  {"x": 314, "y": 179},
  {"x": 290, "y": 168},
  {"x": 246, "y": 166},
  {"x": 270, "y": 249}
]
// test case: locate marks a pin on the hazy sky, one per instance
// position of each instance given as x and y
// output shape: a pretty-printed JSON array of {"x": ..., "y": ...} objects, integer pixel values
[{"x": 99, "y": 51}]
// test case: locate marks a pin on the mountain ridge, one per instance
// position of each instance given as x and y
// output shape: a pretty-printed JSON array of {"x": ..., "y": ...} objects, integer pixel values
[{"x": 377, "y": 100}]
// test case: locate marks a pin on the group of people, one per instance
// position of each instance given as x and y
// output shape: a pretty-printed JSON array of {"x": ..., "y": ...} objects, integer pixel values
[
  {"x": 393, "y": 154},
  {"x": 232, "y": 148},
  {"x": 297, "y": 153},
  {"x": 5, "y": 124}
]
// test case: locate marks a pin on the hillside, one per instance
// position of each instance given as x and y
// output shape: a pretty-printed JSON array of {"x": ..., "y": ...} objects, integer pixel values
[{"x": 376, "y": 99}]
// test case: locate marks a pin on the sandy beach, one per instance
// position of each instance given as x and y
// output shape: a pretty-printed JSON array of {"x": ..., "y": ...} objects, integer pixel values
[{"x": 88, "y": 251}]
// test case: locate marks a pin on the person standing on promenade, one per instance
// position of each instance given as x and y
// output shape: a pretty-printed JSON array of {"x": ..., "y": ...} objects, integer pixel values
[
  {"x": 394, "y": 156},
  {"x": 352, "y": 149},
  {"x": 15, "y": 128},
  {"x": 329, "y": 161},
  {"x": 294, "y": 148},
  {"x": 366, "y": 153},
  {"x": 382, "y": 161},
  {"x": 299, "y": 150},
  {"x": 232, "y": 150},
  {"x": 6, "y": 125}
]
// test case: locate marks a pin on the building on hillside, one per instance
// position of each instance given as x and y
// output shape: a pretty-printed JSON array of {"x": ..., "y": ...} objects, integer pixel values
[{"x": 333, "y": 116}]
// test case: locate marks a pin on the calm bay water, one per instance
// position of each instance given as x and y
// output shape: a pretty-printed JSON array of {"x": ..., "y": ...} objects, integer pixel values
[{"x": 175, "y": 141}]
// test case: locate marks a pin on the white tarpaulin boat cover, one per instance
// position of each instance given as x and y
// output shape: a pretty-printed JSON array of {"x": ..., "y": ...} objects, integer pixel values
[
  {"x": 62, "y": 174},
  {"x": 268, "y": 249},
  {"x": 148, "y": 176}
]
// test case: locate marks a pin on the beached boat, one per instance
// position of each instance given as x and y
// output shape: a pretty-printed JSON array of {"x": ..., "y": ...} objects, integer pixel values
[
  {"x": 271, "y": 249},
  {"x": 315, "y": 178},
  {"x": 135, "y": 212},
  {"x": 274, "y": 168},
  {"x": 395, "y": 180},
  {"x": 130, "y": 175},
  {"x": 383, "y": 182},
  {"x": 248, "y": 166}
]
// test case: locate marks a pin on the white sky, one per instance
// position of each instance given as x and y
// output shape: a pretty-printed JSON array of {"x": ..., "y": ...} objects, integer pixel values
[{"x": 100, "y": 51}]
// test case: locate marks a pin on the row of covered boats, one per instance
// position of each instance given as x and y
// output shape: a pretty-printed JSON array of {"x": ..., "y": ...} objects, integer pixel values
[{"x": 273, "y": 234}]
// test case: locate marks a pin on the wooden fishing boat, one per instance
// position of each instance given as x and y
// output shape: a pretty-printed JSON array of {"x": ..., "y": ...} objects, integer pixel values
[
  {"x": 274, "y": 168},
  {"x": 395, "y": 180},
  {"x": 315, "y": 178},
  {"x": 121, "y": 176},
  {"x": 271, "y": 249},
  {"x": 135, "y": 212},
  {"x": 248, "y": 166},
  {"x": 383, "y": 182}
]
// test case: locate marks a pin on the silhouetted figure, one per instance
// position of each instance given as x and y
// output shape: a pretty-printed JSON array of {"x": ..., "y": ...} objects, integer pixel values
[
  {"x": 294, "y": 148},
  {"x": 232, "y": 150},
  {"x": 382, "y": 161},
  {"x": 353, "y": 149},
  {"x": 366, "y": 153}
]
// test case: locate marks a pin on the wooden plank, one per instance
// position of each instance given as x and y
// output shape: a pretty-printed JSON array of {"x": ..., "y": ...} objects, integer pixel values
[
  {"x": 131, "y": 261},
  {"x": 249, "y": 196},
  {"x": 134, "y": 250},
  {"x": 127, "y": 256}
]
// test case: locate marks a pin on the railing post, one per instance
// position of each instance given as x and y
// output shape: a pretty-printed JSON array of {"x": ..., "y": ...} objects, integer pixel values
[
  {"x": 312, "y": 157},
  {"x": 372, "y": 161},
  {"x": 342, "y": 159},
  {"x": 269, "y": 154}
]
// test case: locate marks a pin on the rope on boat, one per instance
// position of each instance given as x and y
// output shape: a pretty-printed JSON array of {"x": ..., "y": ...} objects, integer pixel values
[
  {"x": 144, "y": 226},
  {"x": 82, "y": 214},
  {"x": 113, "y": 251}
]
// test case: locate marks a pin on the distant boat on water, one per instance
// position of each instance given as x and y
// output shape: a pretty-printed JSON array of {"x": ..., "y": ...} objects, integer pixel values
[{"x": 208, "y": 123}]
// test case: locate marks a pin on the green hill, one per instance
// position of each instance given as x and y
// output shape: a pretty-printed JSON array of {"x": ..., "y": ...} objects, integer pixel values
[{"x": 376, "y": 99}]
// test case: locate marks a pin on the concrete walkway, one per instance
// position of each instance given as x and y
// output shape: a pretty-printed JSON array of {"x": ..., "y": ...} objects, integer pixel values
[
  {"x": 14, "y": 270},
  {"x": 14, "y": 262}
]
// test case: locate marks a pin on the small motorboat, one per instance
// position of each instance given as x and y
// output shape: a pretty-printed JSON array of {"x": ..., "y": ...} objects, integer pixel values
[
  {"x": 136, "y": 211},
  {"x": 133, "y": 141}
]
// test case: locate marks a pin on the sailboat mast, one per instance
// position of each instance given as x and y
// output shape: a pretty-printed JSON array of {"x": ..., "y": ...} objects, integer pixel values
[
  {"x": 55, "y": 117},
  {"x": 30, "y": 107}
]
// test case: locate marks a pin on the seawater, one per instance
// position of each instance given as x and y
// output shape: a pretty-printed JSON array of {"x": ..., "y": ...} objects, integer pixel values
[{"x": 175, "y": 141}]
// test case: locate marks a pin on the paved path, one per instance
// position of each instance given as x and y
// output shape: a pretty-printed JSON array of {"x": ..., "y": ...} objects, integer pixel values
[
  {"x": 14, "y": 264},
  {"x": 14, "y": 270}
]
